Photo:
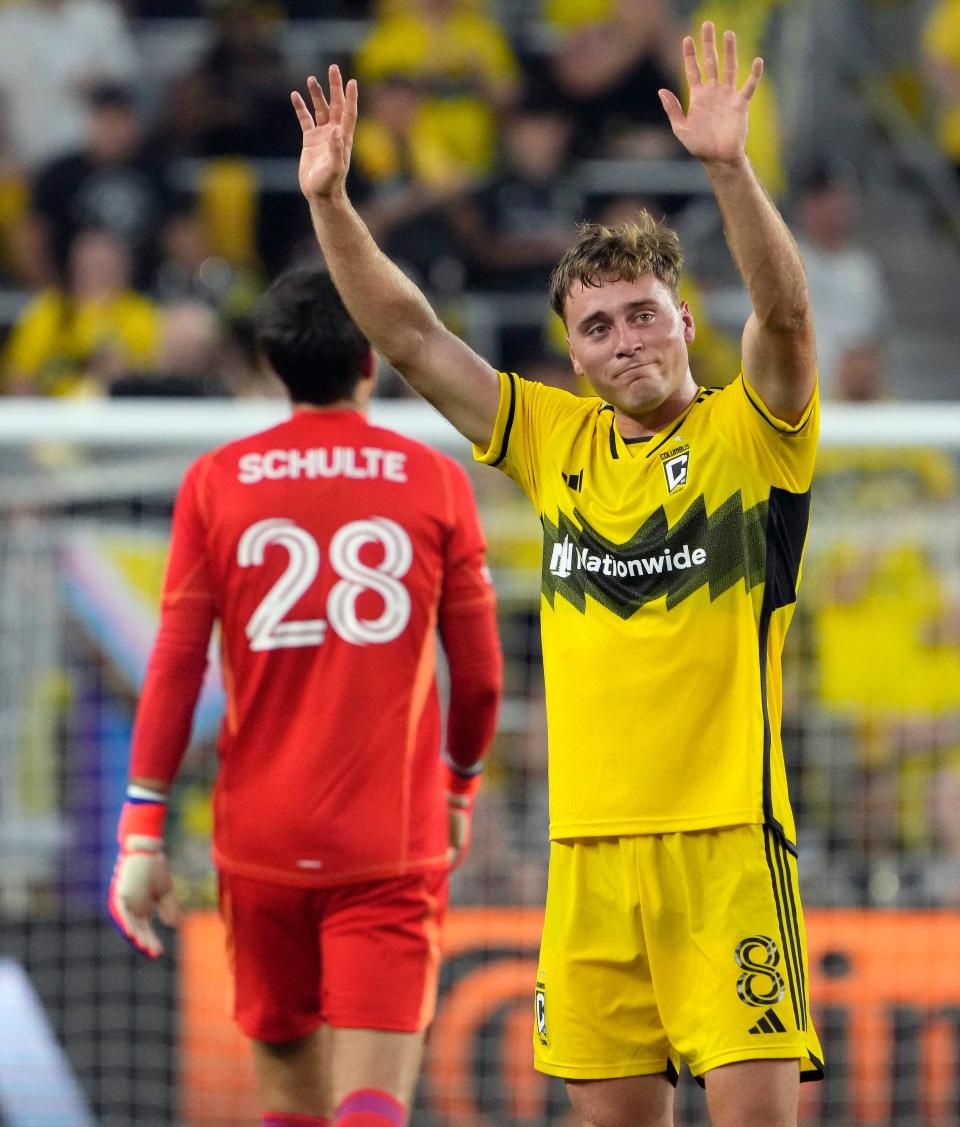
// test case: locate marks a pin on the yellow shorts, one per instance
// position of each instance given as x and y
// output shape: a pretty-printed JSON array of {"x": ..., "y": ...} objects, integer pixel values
[{"x": 664, "y": 947}]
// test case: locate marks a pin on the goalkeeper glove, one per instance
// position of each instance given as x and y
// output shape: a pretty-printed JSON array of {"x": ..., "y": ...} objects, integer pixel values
[
  {"x": 461, "y": 794},
  {"x": 141, "y": 879}
]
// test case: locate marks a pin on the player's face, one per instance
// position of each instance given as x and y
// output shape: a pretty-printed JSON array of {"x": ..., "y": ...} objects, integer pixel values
[{"x": 629, "y": 341}]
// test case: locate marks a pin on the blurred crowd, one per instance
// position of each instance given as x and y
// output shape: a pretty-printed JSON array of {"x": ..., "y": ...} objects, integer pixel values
[{"x": 142, "y": 206}]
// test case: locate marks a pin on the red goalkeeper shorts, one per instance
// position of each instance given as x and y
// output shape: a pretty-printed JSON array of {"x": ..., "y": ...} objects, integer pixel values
[{"x": 354, "y": 956}]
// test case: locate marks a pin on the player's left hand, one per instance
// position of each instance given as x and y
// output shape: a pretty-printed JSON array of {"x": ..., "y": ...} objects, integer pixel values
[
  {"x": 141, "y": 885},
  {"x": 714, "y": 128},
  {"x": 459, "y": 827},
  {"x": 141, "y": 882}
]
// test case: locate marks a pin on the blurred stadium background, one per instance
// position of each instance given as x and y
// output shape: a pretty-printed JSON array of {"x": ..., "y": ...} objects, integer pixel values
[{"x": 148, "y": 190}]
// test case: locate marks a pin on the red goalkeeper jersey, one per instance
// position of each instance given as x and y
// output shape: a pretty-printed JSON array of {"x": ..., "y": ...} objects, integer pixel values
[{"x": 329, "y": 550}]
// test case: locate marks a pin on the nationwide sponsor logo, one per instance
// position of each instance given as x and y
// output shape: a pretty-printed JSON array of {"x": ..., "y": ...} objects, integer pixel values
[
  {"x": 566, "y": 557},
  {"x": 660, "y": 560},
  {"x": 359, "y": 464},
  {"x": 561, "y": 560}
]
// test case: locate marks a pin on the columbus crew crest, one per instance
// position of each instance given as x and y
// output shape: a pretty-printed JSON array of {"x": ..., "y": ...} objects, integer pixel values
[
  {"x": 540, "y": 1004},
  {"x": 676, "y": 465}
]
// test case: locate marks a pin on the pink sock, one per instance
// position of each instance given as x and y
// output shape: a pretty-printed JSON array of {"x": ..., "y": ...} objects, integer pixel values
[
  {"x": 368, "y": 1107},
  {"x": 292, "y": 1119}
]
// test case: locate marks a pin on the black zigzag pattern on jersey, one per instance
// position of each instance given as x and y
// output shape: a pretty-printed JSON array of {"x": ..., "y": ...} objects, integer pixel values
[{"x": 734, "y": 541}]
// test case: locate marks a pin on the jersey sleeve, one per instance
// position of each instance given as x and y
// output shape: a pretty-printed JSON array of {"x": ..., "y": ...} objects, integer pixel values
[
  {"x": 468, "y": 629},
  {"x": 783, "y": 453},
  {"x": 179, "y": 657},
  {"x": 472, "y": 647},
  {"x": 466, "y": 579},
  {"x": 528, "y": 414}
]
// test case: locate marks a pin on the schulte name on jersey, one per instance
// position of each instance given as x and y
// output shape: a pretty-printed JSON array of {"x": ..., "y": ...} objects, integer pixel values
[{"x": 360, "y": 464}]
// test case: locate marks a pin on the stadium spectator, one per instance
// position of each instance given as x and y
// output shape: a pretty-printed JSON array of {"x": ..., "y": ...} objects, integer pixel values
[
  {"x": 674, "y": 522},
  {"x": 192, "y": 356},
  {"x": 228, "y": 103},
  {"x": 53, "y": 53},
  {"x": 848, "y": 291},
  {"x": 465, "y": 65},
  {"x": 189, "y": 269},
  {"x": 113, "y": 182},
  {"x": 610, "y": 60},
  {"x": 941, "y": 50},
  {"x": 74, "y": 339},
  {"x": 860, "y": 377},
  {"x": 14, "y": 204},
  {"x": 513, "y": 227},
  {"x": 228, "y": 110},
  {"x": 330, "y": 550},
  {"x": 402, "y": 174},
  {"x": 391, "y": 142}
]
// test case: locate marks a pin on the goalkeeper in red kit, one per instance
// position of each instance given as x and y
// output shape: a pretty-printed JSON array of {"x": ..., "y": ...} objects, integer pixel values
[{"x": 331, "y": 552}]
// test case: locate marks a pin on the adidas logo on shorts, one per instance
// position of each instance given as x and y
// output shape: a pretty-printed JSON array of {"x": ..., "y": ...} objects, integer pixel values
[{"x": 769, "y": 1023}]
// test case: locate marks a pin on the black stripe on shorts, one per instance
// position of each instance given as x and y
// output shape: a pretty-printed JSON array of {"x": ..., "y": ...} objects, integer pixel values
[{"x": 785, "y": 900}]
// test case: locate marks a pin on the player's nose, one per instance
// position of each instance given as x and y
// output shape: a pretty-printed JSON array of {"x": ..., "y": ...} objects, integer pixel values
[{"x": 629, "y": 339}]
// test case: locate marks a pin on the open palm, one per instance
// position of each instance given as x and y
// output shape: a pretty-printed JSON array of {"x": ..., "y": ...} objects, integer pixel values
[
  {"x": 327, "y": 135},
  {"x": 714, "y": 128}
]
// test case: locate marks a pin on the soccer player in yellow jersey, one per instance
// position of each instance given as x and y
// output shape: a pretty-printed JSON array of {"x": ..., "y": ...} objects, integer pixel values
[{"x": 674, "y": 521}]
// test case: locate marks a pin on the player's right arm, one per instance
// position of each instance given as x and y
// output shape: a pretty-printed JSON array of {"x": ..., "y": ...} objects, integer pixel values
[
  {"x": 389, "y": 309},
  {"x": 142, "y": 884}
]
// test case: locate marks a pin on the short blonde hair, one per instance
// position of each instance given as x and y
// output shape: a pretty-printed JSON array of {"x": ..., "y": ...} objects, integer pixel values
[{"x": 627, "y": 251}]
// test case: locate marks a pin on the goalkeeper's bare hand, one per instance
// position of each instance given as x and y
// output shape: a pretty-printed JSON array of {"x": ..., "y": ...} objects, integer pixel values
[{"x": 327, "y": 135}]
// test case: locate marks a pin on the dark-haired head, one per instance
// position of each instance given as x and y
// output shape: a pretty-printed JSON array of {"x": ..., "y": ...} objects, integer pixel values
[{"x": 310, "y": 340}]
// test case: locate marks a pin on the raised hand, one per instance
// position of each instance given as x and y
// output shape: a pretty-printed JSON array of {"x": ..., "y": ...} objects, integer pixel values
[
  {"x": 714, "y": 128},
  {"x": 327, "y": 135}
]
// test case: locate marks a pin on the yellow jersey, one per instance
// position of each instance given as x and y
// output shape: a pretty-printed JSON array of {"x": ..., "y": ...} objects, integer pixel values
[{"x": 669, "y": 575}]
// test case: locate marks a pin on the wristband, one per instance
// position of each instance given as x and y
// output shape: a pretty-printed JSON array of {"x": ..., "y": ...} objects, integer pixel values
[
  {"x": 142, "y": 821},
  {"x": 462, "y": 789}
]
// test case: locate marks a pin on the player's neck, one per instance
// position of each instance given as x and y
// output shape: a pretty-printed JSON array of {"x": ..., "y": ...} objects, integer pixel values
[
  {"x": 644, "y": 424},
  {"x": 356, "y": 405}
]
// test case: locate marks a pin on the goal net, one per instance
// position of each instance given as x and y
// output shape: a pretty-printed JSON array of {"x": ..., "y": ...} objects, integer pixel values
[{"x": 89, "y": 1034}]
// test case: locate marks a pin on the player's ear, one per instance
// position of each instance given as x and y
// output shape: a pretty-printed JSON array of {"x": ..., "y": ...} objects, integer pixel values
[
  {"x": 575, "y": 362},
  {"x": 689, "y": 328},
  {"x": 368, "y": 367}
]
